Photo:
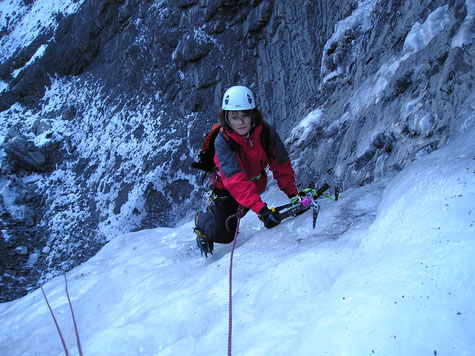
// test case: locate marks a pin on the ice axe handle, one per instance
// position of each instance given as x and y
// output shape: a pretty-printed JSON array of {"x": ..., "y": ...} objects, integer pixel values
[{"x": 322, "y": 190}]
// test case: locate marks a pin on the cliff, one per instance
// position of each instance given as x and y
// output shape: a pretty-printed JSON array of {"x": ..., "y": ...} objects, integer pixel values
[{"x": 104, "y": 105}]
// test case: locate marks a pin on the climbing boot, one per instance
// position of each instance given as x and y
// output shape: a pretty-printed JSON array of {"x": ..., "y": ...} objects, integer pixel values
[{"x": 204, "y": 244}]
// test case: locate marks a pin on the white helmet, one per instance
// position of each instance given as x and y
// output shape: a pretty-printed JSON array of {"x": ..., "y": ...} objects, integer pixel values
[{"x": 238, "y": 98}]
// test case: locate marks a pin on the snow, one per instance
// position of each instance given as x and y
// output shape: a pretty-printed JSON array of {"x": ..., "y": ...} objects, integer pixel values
[
  {"x": 8, "y": 194},
  {"x": 388, "y": 271},
  {"x": 3, "y": 86},
  {"x": 420, "y": 35},
  {"x": 465, "y": 34},
  {"x": 305, "y": 127},
  {"x": 26, "y": 22},
  {"x": 417, "y": 39},
  {"x": 359, "y": 22},
  {"x": 39, "y": 53},
  {"x": 86, "y": 135}
]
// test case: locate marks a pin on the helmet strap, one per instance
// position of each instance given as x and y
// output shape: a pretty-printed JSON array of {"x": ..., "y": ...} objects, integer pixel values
[{"x": 226, "y": 117}]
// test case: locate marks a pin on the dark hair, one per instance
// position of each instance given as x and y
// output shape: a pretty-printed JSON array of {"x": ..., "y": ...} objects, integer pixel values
[{"x": 255, "y": 115}]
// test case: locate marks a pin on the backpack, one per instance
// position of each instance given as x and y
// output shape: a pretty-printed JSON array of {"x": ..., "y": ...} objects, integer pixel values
[{"x": 206, "y": 155}]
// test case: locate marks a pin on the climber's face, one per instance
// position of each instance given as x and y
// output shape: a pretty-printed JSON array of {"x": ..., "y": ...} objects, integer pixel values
[{"x": 240, "y": 121}]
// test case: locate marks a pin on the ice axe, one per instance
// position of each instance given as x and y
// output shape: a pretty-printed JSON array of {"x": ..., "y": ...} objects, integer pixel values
[{"x": 307, "y": 200}]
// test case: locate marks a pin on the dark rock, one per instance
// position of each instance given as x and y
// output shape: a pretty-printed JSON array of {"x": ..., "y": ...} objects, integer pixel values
[
  {"x": 157, "y": 207},
  {"x": 192, "y": 47},
  {"x": 22, "y": 250},
  {"x": 7, "y": 99},
  {"x": 31, "y": 87},
  {"x": 183, "y": 4},
  {"x": 41, "y": 126},
  {"x": 69, "y": 113},
  {"x": 24, "y": 155}
]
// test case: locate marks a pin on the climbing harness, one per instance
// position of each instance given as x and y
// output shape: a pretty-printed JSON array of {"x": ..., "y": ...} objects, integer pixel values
[
  {"x": 73, "y": 317},
  {"x": 239, "y": 214}
]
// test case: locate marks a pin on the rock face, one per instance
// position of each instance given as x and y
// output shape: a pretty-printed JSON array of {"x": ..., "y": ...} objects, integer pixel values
[
  {"x": 391, "y": 89},
  {"x": 103, "y": 111}
]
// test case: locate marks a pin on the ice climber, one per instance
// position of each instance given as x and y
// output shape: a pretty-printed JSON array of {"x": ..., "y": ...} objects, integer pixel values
[{"x": 241, "y": 158}]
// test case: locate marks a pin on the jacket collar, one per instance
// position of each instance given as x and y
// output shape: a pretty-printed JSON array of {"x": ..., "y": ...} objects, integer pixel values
[{"x": 243, "y": 140}]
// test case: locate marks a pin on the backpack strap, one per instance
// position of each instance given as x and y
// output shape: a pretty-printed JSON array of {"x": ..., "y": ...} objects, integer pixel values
[
  {"x": 211, "y": 136},
  {"x": 231, "y": 143},
  {"x": 206, "y": 156}
]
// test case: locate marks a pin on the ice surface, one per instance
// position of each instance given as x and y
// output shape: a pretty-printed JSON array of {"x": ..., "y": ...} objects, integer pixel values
[{"x": 389, "y": 270}]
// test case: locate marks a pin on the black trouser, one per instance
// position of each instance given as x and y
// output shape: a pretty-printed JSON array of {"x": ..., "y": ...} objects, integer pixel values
[{"x": 213, "y": 224}]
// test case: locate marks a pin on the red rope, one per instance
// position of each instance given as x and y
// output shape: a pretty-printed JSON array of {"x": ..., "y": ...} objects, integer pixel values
[
  {"x": 74, "y": 319},
  {"x": 56, "y": 323},
  {"x": 230, "y": 328},
  {"x": 57, "y": 326},
  {"x": 239, "y": 214}
]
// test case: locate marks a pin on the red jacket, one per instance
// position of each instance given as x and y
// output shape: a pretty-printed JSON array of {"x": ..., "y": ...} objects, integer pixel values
[{"x": 243, "y": 173}]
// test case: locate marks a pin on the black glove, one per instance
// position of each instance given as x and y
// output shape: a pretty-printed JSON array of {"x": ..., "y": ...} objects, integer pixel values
[
  {"x": 299, "y": 194},
  {"x": 268, "y": 218}
]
